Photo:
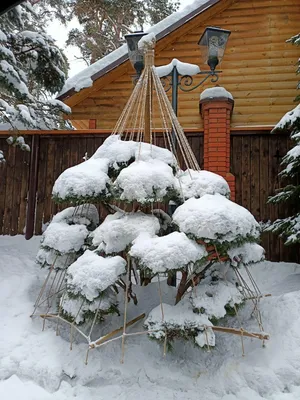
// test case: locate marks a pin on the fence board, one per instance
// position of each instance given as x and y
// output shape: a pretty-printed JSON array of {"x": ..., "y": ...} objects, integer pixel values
[
  {"x": 41, "y": 186},
  {"x": 24, "y": 189},
  {"x": 3, "y": 181}
]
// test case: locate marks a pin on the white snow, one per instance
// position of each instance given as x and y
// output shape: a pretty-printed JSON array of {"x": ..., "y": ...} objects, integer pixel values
[
  {"x": 48, "y": 258},
  {"x": 246, "y": 254},
  {"x": 163, "y": 27},
  {"x": 145, "y": 181},
  {"x": 212, "y": 298},
  {"x": 83, "y": 214},
  {"x": 91, "y": 274},
  {"x": 215, "y": 217},
  {"x": 218, "y": 91},
  {"x": 294, "y": 152},
  {"x": 147, "y": 42},
  {"x": 179, "y": 317},
  {"x": 289, "y": 118},
  {"x": 170, "y": 252},
  {"x": 147, "y": 151},
  {"x": 291, "y": 159},
  {"x": 64, "y": 238},
  {"x": 120, "y": 229},
  {"x": 2, "y": 158},
  {"x": 182, "y": 68},
  {"x": 3, "y": 37},
  {"x": 88, "y": 179},
  {"x": 37, "y": 365},
  {"x": 198, "y": 183},
  {"x": 116, "y": 150}
]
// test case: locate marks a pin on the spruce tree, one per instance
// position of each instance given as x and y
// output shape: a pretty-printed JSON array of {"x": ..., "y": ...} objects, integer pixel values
[
  {"x": 289, "y": 228},
  {"x": 104, "y": 23}
]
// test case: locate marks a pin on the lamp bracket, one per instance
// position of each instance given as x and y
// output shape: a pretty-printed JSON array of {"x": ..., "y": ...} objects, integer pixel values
[{"x": 185, "y": 82}]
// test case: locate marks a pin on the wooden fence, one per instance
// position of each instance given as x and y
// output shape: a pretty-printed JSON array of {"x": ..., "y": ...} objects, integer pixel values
[{"x": 255, "y": 163}]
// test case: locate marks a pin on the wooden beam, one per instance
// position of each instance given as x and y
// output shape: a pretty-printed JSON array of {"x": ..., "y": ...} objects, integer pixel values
[{"x": 76, "y": 132}]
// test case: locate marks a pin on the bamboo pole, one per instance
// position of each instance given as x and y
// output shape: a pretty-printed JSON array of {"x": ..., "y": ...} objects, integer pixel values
[
  {"x": 241, "y": 332},
  {"x": 111, "y": 334}
]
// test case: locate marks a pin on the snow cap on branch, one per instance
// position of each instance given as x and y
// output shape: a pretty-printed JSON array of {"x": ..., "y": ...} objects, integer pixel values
[
  {"x": 92, "y": 274},
  {"x": 214, "y": 217}
]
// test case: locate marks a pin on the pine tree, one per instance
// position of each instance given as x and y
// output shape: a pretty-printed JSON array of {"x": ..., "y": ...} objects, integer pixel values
[
  {"x": 104, "y": 23},
  {"x": 32, "y": 70},
  {"x": 289, "y": 228}
]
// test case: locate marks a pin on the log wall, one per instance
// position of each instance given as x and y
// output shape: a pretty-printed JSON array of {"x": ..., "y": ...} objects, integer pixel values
[
  {"x": 258, "y": 67},
  {"x": 255, "y": 163}
]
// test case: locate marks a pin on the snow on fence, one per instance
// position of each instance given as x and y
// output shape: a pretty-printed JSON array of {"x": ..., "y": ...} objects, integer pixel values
[{"x": 255, "y": 163}]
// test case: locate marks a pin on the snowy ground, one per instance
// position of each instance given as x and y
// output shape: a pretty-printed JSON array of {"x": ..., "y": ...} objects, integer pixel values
[{"x": 36, "y": 365}]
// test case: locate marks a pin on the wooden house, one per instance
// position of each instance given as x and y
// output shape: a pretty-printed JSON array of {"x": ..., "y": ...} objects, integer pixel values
[{"x": 258, "y": 70}]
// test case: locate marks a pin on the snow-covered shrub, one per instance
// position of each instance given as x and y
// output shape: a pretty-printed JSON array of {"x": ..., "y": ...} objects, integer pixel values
[
  {"x": 206, "y": 239},
  {"x": 64, "y": 239},
  {"x": 89, "y": 285}
]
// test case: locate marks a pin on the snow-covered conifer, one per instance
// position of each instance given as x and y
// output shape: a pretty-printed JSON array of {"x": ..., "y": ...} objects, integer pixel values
[{"x": 289, "y": 228}]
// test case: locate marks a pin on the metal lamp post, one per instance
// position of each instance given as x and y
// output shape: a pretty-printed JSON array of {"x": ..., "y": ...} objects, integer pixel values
[
  {"x": 212, "y": 45},
  {"x": 136, "y": 56}
]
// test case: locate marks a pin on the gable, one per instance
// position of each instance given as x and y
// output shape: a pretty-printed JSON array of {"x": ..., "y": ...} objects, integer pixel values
[{"x": 258, "y": 67}]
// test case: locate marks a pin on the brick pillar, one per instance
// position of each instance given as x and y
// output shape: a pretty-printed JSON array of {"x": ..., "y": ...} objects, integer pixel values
[{"x": 216, "y": 107}]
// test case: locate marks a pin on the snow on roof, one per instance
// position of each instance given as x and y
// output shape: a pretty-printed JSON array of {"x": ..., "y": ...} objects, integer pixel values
[{"x": 86, "y": 77}]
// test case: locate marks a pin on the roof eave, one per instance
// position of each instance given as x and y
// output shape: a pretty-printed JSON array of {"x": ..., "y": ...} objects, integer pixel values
[{"x": 159, "y": 36}]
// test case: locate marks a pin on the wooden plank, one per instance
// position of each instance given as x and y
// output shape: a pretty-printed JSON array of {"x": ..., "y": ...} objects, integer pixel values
[
  {"x": 196, "y": 143},
  {"x": 57, "y": 168},
  {"x": 90, "y": 146},
  {"x": 236, "y": 166},
  {"x": 3, "y": 182},
  {"x": 264, "y": 184},
  {"x": 16, "y": 195},
  {"x": 10, "y": 162},
  {"x": 246, "y": 165},
  {"x": 49, "y": 180},
  {"x": 255, "y": 182},
  {"x": 41, "y": 186},
  {"x": 24, "y": 189},
  {"x": 243, "y": 5}
]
